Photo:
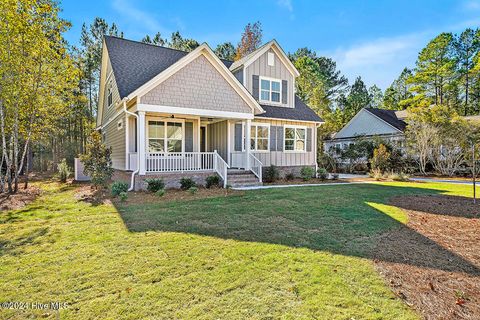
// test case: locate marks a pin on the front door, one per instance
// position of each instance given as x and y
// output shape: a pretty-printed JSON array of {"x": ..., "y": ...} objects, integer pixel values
[{"x": 203, "y": 139}]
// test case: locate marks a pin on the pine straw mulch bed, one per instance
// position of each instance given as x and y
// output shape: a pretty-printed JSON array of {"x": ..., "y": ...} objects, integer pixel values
[
  {"x": 315, "y": 181},
  {"x": 433, "y": 263},
  {"x": 19, "y": 199}
]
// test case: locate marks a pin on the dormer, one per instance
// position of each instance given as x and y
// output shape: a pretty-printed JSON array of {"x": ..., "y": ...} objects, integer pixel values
[{"x": 268, "y": 75}]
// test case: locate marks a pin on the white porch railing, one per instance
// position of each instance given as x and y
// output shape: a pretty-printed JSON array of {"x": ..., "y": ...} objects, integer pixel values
[
  {"x": 256, "y": 166},
  {"x": 221, "y": 167},
  {"x": 180, "y": 161}
]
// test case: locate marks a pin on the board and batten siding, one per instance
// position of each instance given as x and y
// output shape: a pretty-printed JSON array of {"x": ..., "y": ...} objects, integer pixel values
[
  {"x": 261, "y": 68},
  {"x": 282, "y": 158},
  {"x": 217, "y": 138},
  {"x": 115, "y": 138}
]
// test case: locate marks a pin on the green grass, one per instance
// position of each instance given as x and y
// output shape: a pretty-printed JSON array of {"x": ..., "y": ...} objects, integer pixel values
[{"x": 296, "y": 253}]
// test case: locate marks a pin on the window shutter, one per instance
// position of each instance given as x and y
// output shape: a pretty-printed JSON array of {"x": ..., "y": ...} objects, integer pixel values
[
  {"x": 255, "y": 87},
  {"x": 309, "y": 139},
  {"x": 284, "y": 91},
  {"x": 188, "y": 137},
  {"x": 273, "y": 138},
  {"x": 279, "y": 138},
  {"x": 238, "y": 137}
]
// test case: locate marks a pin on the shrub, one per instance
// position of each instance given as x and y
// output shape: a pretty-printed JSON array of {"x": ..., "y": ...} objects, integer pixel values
[
  {"x": 380, "y": 159},
  {"x": 187, "y": 183},
  {"x": 271, "y": 174},
  {"x": 290, "y": 176},
  {"x": 97, "y": 160},
  {"x": 160, "y": 192},
  {"x": 193, "y": 190},
  {"x": 118, "y": 187},
  {"x": 63, "y": 170},
  {"x": 307, "y": 173},
  {"x": 334, "y": 176},
  {"x": 212, "y": 181},
  {"x": 123, "y": 196},
  {"x": 399, "y": 176},
  {"x": 322, "y": 173},
  {"x": 153, "y": 185},
  {"x": 377, "y": 174}
]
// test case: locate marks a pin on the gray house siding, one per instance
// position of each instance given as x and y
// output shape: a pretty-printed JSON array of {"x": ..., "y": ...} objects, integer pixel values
[
  {"x": 108, "y": 112},
  {"x": 261, "y": 68},
  {"x": 115, "y": 139},
  {"x": 217, "y": 138},
  {"x": 198, "y": 85}
]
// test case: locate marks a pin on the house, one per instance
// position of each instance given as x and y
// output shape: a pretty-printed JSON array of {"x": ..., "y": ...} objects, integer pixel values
[
  {"x": 172, "y": 114},
  {"x": 370, "y": 123}
]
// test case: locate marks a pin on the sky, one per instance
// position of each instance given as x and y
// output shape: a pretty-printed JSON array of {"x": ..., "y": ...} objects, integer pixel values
[{"x": 373, "y": 39}]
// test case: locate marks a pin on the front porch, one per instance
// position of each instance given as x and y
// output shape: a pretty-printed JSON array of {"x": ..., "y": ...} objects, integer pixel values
[{"x": 159, "y": 143}]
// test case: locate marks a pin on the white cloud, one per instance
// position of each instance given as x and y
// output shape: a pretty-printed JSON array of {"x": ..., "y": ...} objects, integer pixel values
[
  {"x": 287, "y": 4},
  {"x": 471, "y": 5},
  {"x": 136, "y": 15}
]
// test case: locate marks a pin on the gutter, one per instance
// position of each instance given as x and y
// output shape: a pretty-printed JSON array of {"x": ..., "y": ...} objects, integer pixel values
[{"x": 132, "y": 179}]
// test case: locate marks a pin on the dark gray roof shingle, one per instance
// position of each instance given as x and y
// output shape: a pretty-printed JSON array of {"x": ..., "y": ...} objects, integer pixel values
[
  {"x": 135, "y": 63},
  {"x": 389, "y": 117},
  {"x": 300, "y": 112}
]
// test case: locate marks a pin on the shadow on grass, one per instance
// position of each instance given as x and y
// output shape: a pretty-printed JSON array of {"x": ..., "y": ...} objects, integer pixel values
[
  {"x": 14, "y": 247},
  {"x": 338, "y": 219}
]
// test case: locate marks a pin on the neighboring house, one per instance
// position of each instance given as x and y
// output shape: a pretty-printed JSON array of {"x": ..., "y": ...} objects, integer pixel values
[
  {"x": 171, "y": 114},
  {"x": 370, "y": 123}
]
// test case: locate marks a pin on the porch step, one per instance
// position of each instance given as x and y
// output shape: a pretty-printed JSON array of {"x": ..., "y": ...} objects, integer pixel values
[{"x": 242, "y": 178}]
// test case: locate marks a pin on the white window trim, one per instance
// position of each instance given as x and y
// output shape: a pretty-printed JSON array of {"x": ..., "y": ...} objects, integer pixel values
[
  {"x": 166, "y": 120},
  {"x": 294, "y": 139},
  {"x": 270, "y": 59},
  {"x": 260, "y": 124},
  {"x": 270, "y": 95}
]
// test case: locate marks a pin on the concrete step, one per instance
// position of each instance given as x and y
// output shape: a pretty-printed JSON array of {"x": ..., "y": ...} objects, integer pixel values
[
  {"x": 238, "y": 172},
  {"x": 242, "y": 185}
]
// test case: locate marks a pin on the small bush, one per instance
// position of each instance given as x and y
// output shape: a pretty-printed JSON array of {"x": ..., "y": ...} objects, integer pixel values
[
  {"x": 193, "y": 190},
  {"x": 123, "y": 196},
  {"x": 63, "y": 170},
  {"x": 377, "y": 174},
  {"x": 271, "y": 174},
  {"x": 187, "y": 183},
  {"x": 153, "y": 185},
  {"x": 322, "y": 173},
  {"x": 212, "y": 181},
  {"x": 118, "y": 187},
  {"x": 334, "y": 176},
  {"x": 289, "y": 176},
  {"x": 307, "y": 173},
  {"x": 160, "y": 193},
  {"x": 399, "y": 176}
]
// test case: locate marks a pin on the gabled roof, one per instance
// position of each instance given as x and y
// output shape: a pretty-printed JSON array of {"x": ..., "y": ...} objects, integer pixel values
[
  {"x": 251, "y": 57},
  {"x": 300, "y": 112},
  {"x": 135, "y": 63},
  {"x": 389, "y": 116}
]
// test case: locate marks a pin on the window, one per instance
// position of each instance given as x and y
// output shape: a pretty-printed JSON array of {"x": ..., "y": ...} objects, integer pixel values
[
  {"x": 259, "y": 137},
  {"x": 270, "y": 90},
  {"x": 110, "y": 94},
  {"x": 295, "y": 139},
  {"x": 165, "y": 136}
]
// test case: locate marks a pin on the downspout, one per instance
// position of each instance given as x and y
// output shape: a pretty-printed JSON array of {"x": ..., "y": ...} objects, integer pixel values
[{"x": 132, "y": 179}]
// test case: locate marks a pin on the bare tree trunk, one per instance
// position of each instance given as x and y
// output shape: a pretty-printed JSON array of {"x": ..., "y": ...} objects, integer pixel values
[{"x": 25, "y": 186}]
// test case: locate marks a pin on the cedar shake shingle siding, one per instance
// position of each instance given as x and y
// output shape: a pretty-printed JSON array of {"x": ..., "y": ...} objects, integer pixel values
[{"x": 198, "y": 85}]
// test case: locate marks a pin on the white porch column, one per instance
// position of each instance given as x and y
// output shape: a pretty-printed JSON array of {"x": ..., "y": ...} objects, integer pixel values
[
  {"x": 127, "y": 142},
  {"x": 247, "y": 144},
  {"x": 141, "y": 142}
]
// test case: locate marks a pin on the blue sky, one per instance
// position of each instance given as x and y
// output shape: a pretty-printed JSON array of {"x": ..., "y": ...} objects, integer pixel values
[{"x": 373, "y": 39}]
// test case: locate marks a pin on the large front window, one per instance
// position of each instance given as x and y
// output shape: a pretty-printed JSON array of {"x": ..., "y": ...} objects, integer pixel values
[
  {"x": 270, "y": 90},
  {"x": 295, "y": 139},
  {"x": 259, "y": 137},
  {"x": 165, "y": 136}
]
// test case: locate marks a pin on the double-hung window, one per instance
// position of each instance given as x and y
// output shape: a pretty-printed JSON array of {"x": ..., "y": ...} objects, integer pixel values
[
  {"x": 295, "y": 138},
  {"x": 165, "y": 136},
  {"x": 270, "y": 90},
  {"x": 259, "y": 137}
]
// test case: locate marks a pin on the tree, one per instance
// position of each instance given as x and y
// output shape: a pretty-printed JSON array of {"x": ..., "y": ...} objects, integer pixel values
[
  {"x": 435, "y": 69},
  {"x": 380, "y": 160},
  {"x": 466, "y": 47},
  {"x": 357, "y": 99},
  {"x": 180, "y": 43},
  {"x": 399, "y": 92},
  {"x": 250, "y": 41},
  {"x": 376, "y": 96},
  {"x": 37, "y": 76},
  {"x": 97, "y": 160},
  {"x": 225, "y": 51}
]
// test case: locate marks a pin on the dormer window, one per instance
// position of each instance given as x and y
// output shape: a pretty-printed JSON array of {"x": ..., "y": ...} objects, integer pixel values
[
  {"x": 109, "y": 94},
  {"x": 270, "y": 90}
]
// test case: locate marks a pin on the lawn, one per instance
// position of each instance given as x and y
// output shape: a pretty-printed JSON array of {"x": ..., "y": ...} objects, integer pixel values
[{"x": 293, "y": 253}]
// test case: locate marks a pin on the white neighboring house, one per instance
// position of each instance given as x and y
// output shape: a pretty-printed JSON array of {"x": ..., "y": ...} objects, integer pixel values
[{"x": 370, "y": 123}]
